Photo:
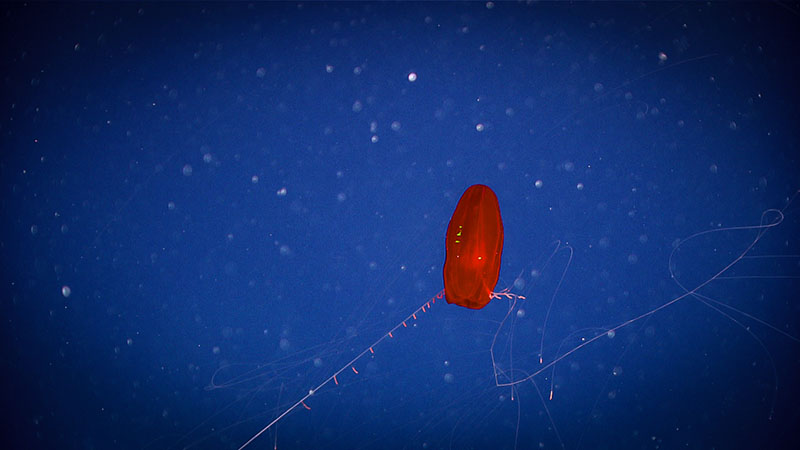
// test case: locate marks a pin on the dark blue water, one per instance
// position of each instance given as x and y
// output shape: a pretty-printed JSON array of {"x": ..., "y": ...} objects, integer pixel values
[{"x": 208, "y": 210}]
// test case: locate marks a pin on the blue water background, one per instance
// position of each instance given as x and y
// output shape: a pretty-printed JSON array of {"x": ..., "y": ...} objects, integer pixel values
[{"x": 209, "y": 209}]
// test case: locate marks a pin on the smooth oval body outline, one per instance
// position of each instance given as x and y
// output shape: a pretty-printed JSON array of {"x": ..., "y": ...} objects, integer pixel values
[{"x": 473, "y": 246}]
